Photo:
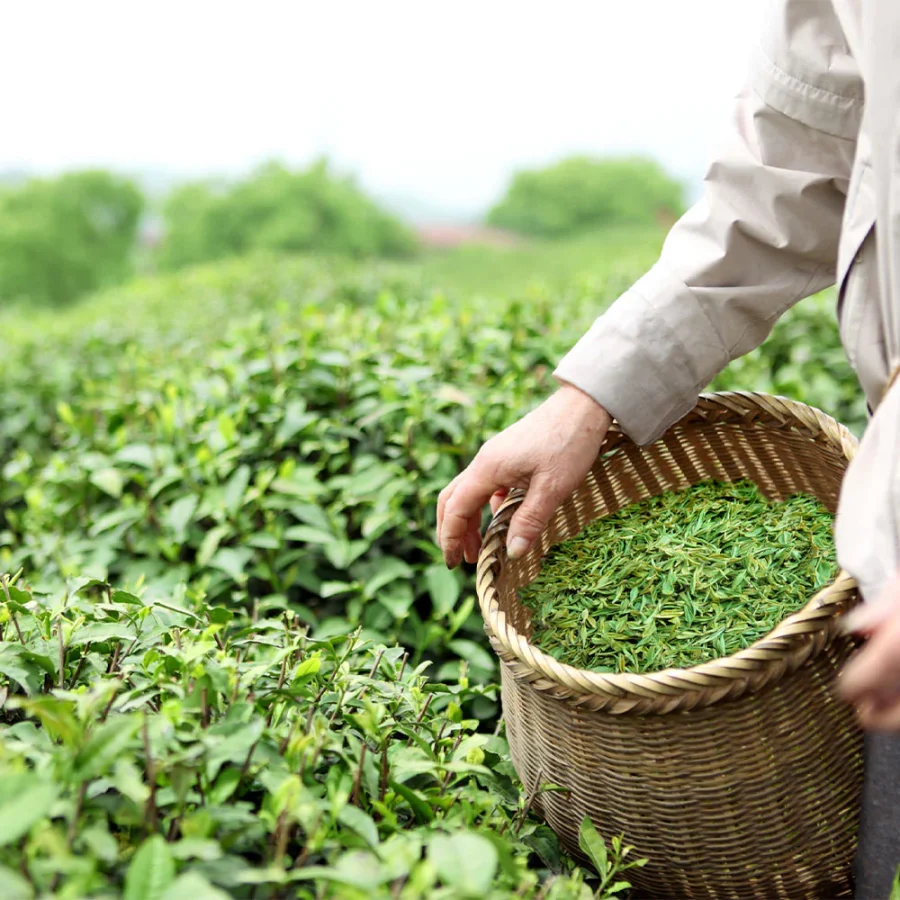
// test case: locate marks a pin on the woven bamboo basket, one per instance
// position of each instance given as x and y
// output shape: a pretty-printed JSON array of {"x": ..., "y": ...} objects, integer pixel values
[{"x": 738, "y": 778}]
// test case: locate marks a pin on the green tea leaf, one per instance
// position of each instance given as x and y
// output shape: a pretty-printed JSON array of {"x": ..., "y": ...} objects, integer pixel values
[
  {"x": 895, "y": 886},
  {"x": 13, "y": 886},
  {"x": 25, "y": 799},
  {"x": 101, "y": 633},
  {"x": 361, "y": 823},
  {"x": 465, "y": 861},
  {"x": 181, "y": 514},
  {"x": 389, "y": 570},
  {"x": 110, "y": 481},
  {"x": 137, "y": 455},
  {"x": 105, "y": 745},
  {"x": 679, "y": 579},
  {"x": 422, "y": 811},
  {"x": 16, "y": 666},
  {"x": 210, "y": 543},
  {"x": 192, "y": 886},
  {"x": 308, "y": 535},
  {"x": 152, "y": 871},
  {"x": 312, "y": 665},
  {"x": 593, "y": 846},
  {"x": 443, "y": 586},
  {"x": 232, "y": 561},
  {"x": 236, "y": 489},
  {"x": 56, "y": 716}
]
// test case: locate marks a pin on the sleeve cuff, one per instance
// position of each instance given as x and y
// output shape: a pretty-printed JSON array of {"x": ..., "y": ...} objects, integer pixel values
[{"x": 635, "y": 365}]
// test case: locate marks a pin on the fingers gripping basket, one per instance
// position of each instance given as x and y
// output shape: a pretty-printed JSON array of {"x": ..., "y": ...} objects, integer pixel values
[{"x": 739, "y": 777}]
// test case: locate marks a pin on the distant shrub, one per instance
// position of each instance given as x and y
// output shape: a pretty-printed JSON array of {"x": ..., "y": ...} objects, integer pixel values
[
  {"x": 277, "y": 210},
  {"x": 581, "y": 194},
  {"x": 63, "y": 237}
]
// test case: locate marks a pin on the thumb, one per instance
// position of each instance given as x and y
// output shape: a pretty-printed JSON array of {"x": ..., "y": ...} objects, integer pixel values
[{"x": 530, "y": 519}]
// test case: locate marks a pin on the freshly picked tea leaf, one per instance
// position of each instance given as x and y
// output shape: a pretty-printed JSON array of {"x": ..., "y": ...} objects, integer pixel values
[{"x": 680, "y": 579}]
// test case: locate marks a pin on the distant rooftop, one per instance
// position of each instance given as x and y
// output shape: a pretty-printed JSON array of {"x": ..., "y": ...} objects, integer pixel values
[{"x": 440, "y": 236}]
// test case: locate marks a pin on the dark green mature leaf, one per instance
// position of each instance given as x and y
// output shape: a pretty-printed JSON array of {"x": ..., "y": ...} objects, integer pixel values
[
  {"x": 546, "y": 844},
  {"x": 397, "y": 597},
  {"x": 342, "y": 554},
  {"x": 593, "y": 846},
  {"x": 136, "y": 454},
  {"x": 105, "y": 745},
  {"x": 220, "y": 615},
  {"x": 474, "y": 654},
  {"x": 233, "y": 747},
  {"x": 18, "y": 599},
  {"x": 56, "y": 716},
  {"x": 420, "y": 808},
  {"x": 16, "y": 665},
  {"x": 98, "y": 841},
  {"x": 296, "y": 418}
]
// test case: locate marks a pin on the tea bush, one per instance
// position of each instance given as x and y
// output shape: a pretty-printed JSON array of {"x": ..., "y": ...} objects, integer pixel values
[
  {"x": 278, "y": 433},
  {"x": 177, "y": 749},
  {"x": 250, "y": 453},
  {"x": 285, "y": 451}
]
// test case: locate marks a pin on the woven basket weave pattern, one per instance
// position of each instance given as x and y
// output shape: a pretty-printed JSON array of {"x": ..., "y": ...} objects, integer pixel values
[{"x": 737, "y": 778}]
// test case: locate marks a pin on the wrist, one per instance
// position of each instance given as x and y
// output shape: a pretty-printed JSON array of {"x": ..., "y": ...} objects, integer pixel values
[{"x": 583, "y": 405}]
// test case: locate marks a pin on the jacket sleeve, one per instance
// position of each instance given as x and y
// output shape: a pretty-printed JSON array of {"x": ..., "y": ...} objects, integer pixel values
[
  {"x": 868, "y": 521},
  {"x": 763, "y": 236}
]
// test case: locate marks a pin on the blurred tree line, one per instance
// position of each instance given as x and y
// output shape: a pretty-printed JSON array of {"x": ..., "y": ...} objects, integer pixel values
[
  {"x": 278, "y": 210},
  {"x": 63, "y": 237},
  {"x": 580, "y": 194}
]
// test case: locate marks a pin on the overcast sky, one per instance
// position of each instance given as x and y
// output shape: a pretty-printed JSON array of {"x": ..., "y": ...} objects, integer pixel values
[{"x": 436, "y": 103}]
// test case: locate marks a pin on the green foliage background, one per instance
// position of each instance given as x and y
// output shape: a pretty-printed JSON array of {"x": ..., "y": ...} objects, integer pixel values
[
  {"x": 277, "y": 210},
  {"x": 64, "y": 237},
  {"x": 234, "y": 664},
  {"x": 582, "y": 193}
]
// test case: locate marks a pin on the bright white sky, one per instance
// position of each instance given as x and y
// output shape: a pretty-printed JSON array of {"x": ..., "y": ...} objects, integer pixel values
[{"x": 430, "y": 102}]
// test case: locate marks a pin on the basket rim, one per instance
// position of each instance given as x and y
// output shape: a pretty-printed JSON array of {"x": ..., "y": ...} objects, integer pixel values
[{"x": 792, "y": 642}]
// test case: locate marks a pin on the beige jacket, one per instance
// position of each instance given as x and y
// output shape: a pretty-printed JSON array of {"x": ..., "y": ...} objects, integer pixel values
[{"x": 808, "y": 177}]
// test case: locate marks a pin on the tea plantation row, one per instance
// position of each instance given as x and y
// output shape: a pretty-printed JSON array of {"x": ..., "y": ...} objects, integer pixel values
[{"x": 284, "y": 693}]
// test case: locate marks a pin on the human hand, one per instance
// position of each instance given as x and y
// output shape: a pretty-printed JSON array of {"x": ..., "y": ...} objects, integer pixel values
[
  {"x": 871, "y": 680},
  {"x": 547, "y": 453}
]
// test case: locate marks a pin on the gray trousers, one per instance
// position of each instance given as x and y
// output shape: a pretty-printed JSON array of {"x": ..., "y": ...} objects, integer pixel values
[{"x": 878, "y": 854}]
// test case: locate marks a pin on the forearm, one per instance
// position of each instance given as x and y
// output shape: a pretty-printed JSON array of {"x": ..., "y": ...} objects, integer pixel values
[{"x": 764, "y": 236}]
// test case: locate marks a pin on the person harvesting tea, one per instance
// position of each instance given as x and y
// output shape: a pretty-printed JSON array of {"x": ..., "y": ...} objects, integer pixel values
[{"x": 804, "y": 194}]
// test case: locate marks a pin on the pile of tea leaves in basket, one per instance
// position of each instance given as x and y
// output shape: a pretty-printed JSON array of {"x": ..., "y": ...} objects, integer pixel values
[{"x": 680, "y": 579}]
